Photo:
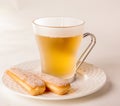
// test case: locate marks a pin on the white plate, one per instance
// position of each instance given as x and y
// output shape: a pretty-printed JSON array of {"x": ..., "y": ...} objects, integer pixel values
[{"x": 92, "y": 80}]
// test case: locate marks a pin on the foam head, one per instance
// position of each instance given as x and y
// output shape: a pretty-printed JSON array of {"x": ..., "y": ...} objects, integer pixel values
[{"x": 58, "y": 26}]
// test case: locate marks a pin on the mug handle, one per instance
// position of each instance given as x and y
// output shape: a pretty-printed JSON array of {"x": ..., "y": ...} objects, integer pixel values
[{"x": 87, "y": 50}]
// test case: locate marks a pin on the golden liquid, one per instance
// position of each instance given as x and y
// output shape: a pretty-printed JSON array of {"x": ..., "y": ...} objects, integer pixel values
[{"x": 58, "y": 54}]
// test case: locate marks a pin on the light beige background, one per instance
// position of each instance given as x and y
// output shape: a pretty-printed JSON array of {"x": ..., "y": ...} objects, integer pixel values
[{"x": 17, "y": 42}]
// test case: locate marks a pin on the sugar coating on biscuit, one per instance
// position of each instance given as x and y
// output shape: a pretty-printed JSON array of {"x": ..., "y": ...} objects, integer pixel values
[
  {"x": 28, "y": 77},
  {"x": 52, "y": 79}
]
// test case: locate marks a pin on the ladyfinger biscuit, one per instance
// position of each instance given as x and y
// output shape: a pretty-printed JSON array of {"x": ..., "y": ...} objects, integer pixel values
[
  {"x": 30, "y": 82},
  {"x": 55, "y": 84}
]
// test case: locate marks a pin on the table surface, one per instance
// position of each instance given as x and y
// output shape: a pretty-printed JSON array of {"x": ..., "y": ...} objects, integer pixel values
[{"x": 17, "y": 44}]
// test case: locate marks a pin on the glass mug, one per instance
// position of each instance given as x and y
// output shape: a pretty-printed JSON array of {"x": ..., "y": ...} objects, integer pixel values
[{"x": 58, "y": 40}]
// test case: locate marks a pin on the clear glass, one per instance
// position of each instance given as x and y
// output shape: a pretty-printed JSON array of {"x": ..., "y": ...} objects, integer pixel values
[{"x": 58, "y": 40}]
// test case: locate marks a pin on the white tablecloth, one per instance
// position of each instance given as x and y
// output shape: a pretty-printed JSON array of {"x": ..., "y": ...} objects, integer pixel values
[{"x": 17, "y": 43}]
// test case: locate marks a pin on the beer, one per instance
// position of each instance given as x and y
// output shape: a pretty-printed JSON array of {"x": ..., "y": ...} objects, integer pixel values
[
  {"x": 59, "y": 39},
  {"x": 58, "y": 54}
]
